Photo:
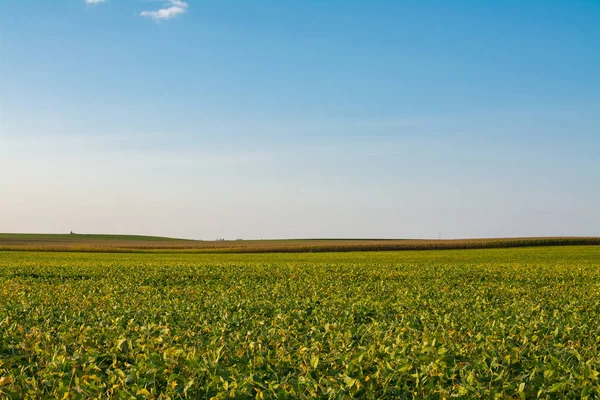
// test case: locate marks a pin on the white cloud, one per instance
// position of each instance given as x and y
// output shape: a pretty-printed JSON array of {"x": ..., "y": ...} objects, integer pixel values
[
  {"x": 94, "y": 1},
  {"x": 172, "y": 9}
]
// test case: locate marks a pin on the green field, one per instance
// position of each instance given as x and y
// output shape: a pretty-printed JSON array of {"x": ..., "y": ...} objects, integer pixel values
[{"x": 496, "y": 323}]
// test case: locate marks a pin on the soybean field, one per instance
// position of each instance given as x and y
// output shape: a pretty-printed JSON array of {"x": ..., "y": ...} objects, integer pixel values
[{"x": 508, "y": 323}]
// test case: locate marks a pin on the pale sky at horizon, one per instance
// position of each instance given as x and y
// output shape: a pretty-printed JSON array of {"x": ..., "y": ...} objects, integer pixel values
[{"x": 300, "y": 119}]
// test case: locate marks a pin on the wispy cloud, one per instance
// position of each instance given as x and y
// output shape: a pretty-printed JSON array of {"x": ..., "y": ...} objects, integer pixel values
[
  {"x": 94, "y": 1},
  {"x": 172, "y": 9}
]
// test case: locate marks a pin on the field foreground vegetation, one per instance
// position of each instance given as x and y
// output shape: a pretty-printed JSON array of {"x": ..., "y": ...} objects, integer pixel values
[{"x": 496, "y": 323}]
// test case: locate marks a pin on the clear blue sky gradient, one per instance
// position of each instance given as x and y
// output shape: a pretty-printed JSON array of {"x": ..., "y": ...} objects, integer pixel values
[{"x": 265, "y": 119}]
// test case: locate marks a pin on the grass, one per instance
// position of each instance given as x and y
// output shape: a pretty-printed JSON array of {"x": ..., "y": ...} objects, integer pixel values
[
  {"x": 130, "y": 243},
  {"x": 491, "y": 323},
  {"x": 82, "y": 238}
]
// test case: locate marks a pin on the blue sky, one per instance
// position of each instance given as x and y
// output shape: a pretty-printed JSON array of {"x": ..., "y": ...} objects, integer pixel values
[{"x": 264, "y": 119}]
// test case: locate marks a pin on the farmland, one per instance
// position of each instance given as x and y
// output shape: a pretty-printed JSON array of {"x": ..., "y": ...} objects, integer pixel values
[
  {"x": 135, "y": 243},
  {"x": 480, "y": 323}
]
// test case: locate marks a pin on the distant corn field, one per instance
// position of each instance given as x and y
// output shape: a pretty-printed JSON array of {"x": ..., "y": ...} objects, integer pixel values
[{"x": 123, "y": 243}]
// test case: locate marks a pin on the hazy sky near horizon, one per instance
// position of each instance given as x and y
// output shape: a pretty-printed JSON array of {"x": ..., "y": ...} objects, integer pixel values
[{"x": 289, "y": 119}]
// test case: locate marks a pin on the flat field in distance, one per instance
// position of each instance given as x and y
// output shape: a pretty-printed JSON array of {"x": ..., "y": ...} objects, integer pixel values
[
  {"x": 493, "y": 323},
  {"x": 129, "y": 243}
]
